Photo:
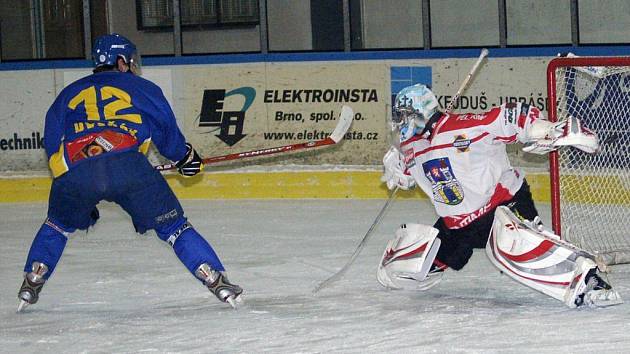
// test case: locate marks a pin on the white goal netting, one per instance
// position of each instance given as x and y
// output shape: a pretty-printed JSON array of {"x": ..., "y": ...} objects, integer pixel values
[{"x": 591, "y": 193}]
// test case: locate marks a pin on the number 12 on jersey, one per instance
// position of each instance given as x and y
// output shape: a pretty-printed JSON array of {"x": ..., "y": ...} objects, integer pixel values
[{"x": 90, "y": 100}]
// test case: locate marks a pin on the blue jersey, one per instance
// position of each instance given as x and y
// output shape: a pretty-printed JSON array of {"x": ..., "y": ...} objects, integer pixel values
[{"x": 109, "y": 112}]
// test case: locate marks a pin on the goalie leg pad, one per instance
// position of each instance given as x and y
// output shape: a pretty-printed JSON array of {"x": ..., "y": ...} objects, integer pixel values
[
  {"x": 544, "y": 263},
  {"x": 407, "y": 261}
]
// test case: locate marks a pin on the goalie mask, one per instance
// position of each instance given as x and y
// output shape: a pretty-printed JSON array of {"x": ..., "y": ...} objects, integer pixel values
[{"x": 413, "y": 107}]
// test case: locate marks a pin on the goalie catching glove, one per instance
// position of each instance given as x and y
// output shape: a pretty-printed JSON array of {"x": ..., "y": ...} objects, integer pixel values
[
  {"x": 394, "y": 171},
  {"x": 546, "y": 136},
  {"x": 190, "y": 164}
]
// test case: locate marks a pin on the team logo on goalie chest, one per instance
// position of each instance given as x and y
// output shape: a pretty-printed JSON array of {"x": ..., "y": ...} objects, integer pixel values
[{"x": 446, "y": 188}]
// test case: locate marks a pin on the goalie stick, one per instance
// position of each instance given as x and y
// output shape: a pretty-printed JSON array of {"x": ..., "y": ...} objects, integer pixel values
[
  {"x": 339, "y": 274},
  {"x": 464, "y": 85},
  {"x": 345, "y": 120},
  {"x": 359, "y": 248}
]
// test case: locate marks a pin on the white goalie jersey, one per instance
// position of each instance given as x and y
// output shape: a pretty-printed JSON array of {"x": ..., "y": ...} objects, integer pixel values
[{"x": 463, "y": 166}]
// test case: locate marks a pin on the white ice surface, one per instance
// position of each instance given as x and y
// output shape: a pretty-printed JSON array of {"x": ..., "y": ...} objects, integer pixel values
[{"x": 116, "y": 291}]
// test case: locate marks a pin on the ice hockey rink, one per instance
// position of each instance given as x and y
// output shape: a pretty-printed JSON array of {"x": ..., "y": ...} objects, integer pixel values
[{"x": 115, "y": 291}]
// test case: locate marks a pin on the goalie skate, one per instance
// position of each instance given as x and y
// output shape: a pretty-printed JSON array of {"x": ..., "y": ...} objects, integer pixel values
[
  {"x": 218, "y": 284},
  {"x": 32, "y": 285},
  {"x": 597, "y": 292}
]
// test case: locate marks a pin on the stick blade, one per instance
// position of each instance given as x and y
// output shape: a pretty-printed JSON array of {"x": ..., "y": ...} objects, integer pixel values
[
  {"x": 345, "y": 120},
  {"x": 326, "y": 283},
  {"x": 333, "y": 278}
]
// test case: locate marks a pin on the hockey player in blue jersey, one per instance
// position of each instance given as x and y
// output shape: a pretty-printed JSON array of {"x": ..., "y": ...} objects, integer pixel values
[{"x": 96, "y": 135}]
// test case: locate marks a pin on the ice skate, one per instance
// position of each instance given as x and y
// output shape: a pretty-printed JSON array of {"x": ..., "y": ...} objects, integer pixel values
[
  {"x": 218, "y": 283},
  {"x": 597, "y": 292},
  {"x": 32, "y": 285}
]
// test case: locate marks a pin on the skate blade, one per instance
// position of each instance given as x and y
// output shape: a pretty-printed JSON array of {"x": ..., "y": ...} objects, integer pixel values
[
  {"x": 234, "y": 302},
  {"x": 603, "y": 298},
  {"x": 606, "y": 303},
  {"x": 23, "y": 304}
]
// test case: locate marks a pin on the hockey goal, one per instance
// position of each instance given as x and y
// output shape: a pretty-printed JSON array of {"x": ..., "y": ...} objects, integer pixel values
[{"x": 590, "y": 194}]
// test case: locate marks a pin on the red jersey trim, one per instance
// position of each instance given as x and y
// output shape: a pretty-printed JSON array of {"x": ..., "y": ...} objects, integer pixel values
[
  {"x": 501, "y": 195},
  {"x": 506, "y": 138},
  {"x": 469, "y": 120},
  {"x": 521, "y": 121},
  {"x": 449, "y": 145},
  {"x": 410, "y": 140}
]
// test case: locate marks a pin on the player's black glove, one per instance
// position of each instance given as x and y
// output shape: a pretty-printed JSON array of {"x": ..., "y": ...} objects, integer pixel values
[{"x": 191, "y": 164}]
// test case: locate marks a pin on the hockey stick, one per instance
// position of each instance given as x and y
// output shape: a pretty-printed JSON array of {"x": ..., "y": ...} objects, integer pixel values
[
  {"x": 360, "y": 247},
  {"x": 462, "y": 87},
  {"x": 345, "y": 120},
  {"x": 333, "y": 278}
]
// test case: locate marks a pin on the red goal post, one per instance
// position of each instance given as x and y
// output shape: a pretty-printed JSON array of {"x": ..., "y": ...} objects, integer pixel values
[{"x": 590, "y": 194}]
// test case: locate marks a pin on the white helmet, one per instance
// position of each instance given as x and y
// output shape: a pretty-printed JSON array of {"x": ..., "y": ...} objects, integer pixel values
[{"x": 413, "y": 107}]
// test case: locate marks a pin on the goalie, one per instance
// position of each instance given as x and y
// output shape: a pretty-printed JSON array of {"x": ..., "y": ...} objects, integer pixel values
[{"x": 460, "y": 162}]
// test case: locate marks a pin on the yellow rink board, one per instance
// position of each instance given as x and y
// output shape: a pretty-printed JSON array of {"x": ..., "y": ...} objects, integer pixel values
[{"x": 260, "y": 185}]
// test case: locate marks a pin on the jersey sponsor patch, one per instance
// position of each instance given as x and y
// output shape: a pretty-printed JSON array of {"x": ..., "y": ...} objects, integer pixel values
[
  {"x": 446, "y": 188},
  {"x": 468, "y": 120},
  {"x": 523, "y": 114},
  {"x": 471, "y": 116},
  {"x": 95, "y": 144},
  {"x": 409, "y": 155},
  {"x": 461, "y": 143},
  {"x": 524, "y": 109},
  {"x": 510, "y": 114}
]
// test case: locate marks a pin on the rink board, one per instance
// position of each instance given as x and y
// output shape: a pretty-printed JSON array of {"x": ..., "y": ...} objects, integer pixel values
[
  {"x": 260, "y": 185},
  {"x": 230, "y": 108}
]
